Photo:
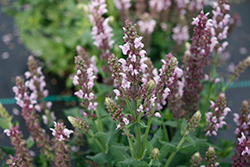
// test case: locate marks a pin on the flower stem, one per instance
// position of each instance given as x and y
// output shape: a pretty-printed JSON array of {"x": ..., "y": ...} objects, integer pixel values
[
  {"x": 228, "y": 84},
  {"x": 131, "y": 145},
  {"x": 165, "y": 133},
  {"x": 100, "y": 129},
  {"x": 148, "y": 127},
  {"x": 213, "y": 71},
  {"x": 177, "y": 149},
  {"x": 128, "y": 104}
]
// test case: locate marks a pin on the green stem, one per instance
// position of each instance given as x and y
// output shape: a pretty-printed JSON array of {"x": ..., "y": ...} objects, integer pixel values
[
  {"x": 138, "y": 139},
  {"x": 173, "y": 153},
  {"x": 98, "y": 87},
  {"x": 213, "y": 71},
  {"x": 128, "y": 104},
  {"x": 165, "y": 133},
  {"x": 109, "y": 164},
  {"x": 131, "y": 145},
  {"x": 148, "y": 127},
  {"x": 228, "y": 84},
  {"x": 151, "y": 162},
  {"x": 207, "y": 99},
  {"x": 134, "y": 102},
  {"x": 100, "y": 129}
]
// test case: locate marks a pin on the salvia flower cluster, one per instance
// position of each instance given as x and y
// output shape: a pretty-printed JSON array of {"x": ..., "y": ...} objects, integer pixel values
[
  {"x": 36, "y": 83},
  {"x": 27, "y": 101},
  {"x": 241, "y": 157},
  {"x": 101, "y": 31},
  {"x": 85, "y": 76},
  {"x": 159, "y": 110},
  {"x": 195, "y": 60},
  {"x": 61, "y": 135},
  {"x": 215, "y": 120},
  {"x": 242, "y": 120},
  {"x": 220, "y": 27},
  {"x": 21, "y": 150}
]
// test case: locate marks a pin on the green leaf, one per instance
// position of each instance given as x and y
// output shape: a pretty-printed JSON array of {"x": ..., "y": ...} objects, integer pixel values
[
  {"x": 183, "y": 126},
  {"x": 30, "y": 142},
  {"x": 190, "y": 148},
  {"x": 156, "y": 121},
  {"x": 190, "y": 140},
  {"x": 101, "y": 135},
  {"x": 158, "y": 135},
  {"x": 75, "y": 112},
  {"x": 149, "y": 146},
  {"x": 99, "y": 158},
  {"x": 139, "y": 163},
  {"x": 171, "y": 123},
  {"x": 127, "y": 162},
  {"x": 4, "y": 124},
  {"x": 118, "y": 155},
  {"x": 41, "y": 161},
  {"x": 140, "y": 125},
  {"x": 8, "y": 150},
  {"x": 157, "y": 163},
  {"x": 166, "y": 148},
  {"x": 119, "y": 146}
]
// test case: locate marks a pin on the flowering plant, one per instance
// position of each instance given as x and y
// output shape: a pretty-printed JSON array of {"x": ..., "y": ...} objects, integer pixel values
[{"x": 153, "y": 116}]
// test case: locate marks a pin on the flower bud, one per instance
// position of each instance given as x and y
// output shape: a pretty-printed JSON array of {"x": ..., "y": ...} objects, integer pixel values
[
  {"x": 151, "y": 84},
  {"x": 79, "y": 123},
  {"x": 240, "y": 68},
  {"x": 196, "y": 159},
  {"x": 194, "y": 121},
  {"x": 211, "y": 156},
  {"x": 155, "y": 153}
]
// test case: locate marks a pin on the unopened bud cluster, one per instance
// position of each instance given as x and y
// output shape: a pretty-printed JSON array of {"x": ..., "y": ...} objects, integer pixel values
[
  {"x": 194, "y": 121},
  {"x": 240, "y": 68},
  {"x": 196, "y": 160},
  {"x": 79, "y": 123},
  {"x": 211, "y": 157},
  {"x": 155, "y": 153},
  {"x": 116, "y": 113}
]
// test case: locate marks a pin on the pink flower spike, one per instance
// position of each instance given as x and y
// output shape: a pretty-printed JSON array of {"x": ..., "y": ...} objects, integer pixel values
[
  {"x": 117, "y": 92},
  {"x": 75, "y": 80},
  {"x": 226, "y": 110},
  {"x": 125, "y": 48},
  {"x": 157, "y": 114},
  {"x": 246, "y": 151},
  {"x": 53, "y": 131},
  {"x": 7, "y": 132},
  {"x": 195, "y": 21},
  {"x": 142, "y": 53},
  {"x": 126, "y": 121},
  {"x": 61, "y": 138},
  {"x": 242, "y": 139},
  {"x": 67, "y": 132},
  {"x": 118, "y": 126},
  {"x": 212, "y": 104},
  {"x": 140, "y": 109},
  {"x": 79, "y": 93},
  {"x": 39, "y": 70},
  {"x": 138, "y": 42},
  {"x": 27, "y": 74}
]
